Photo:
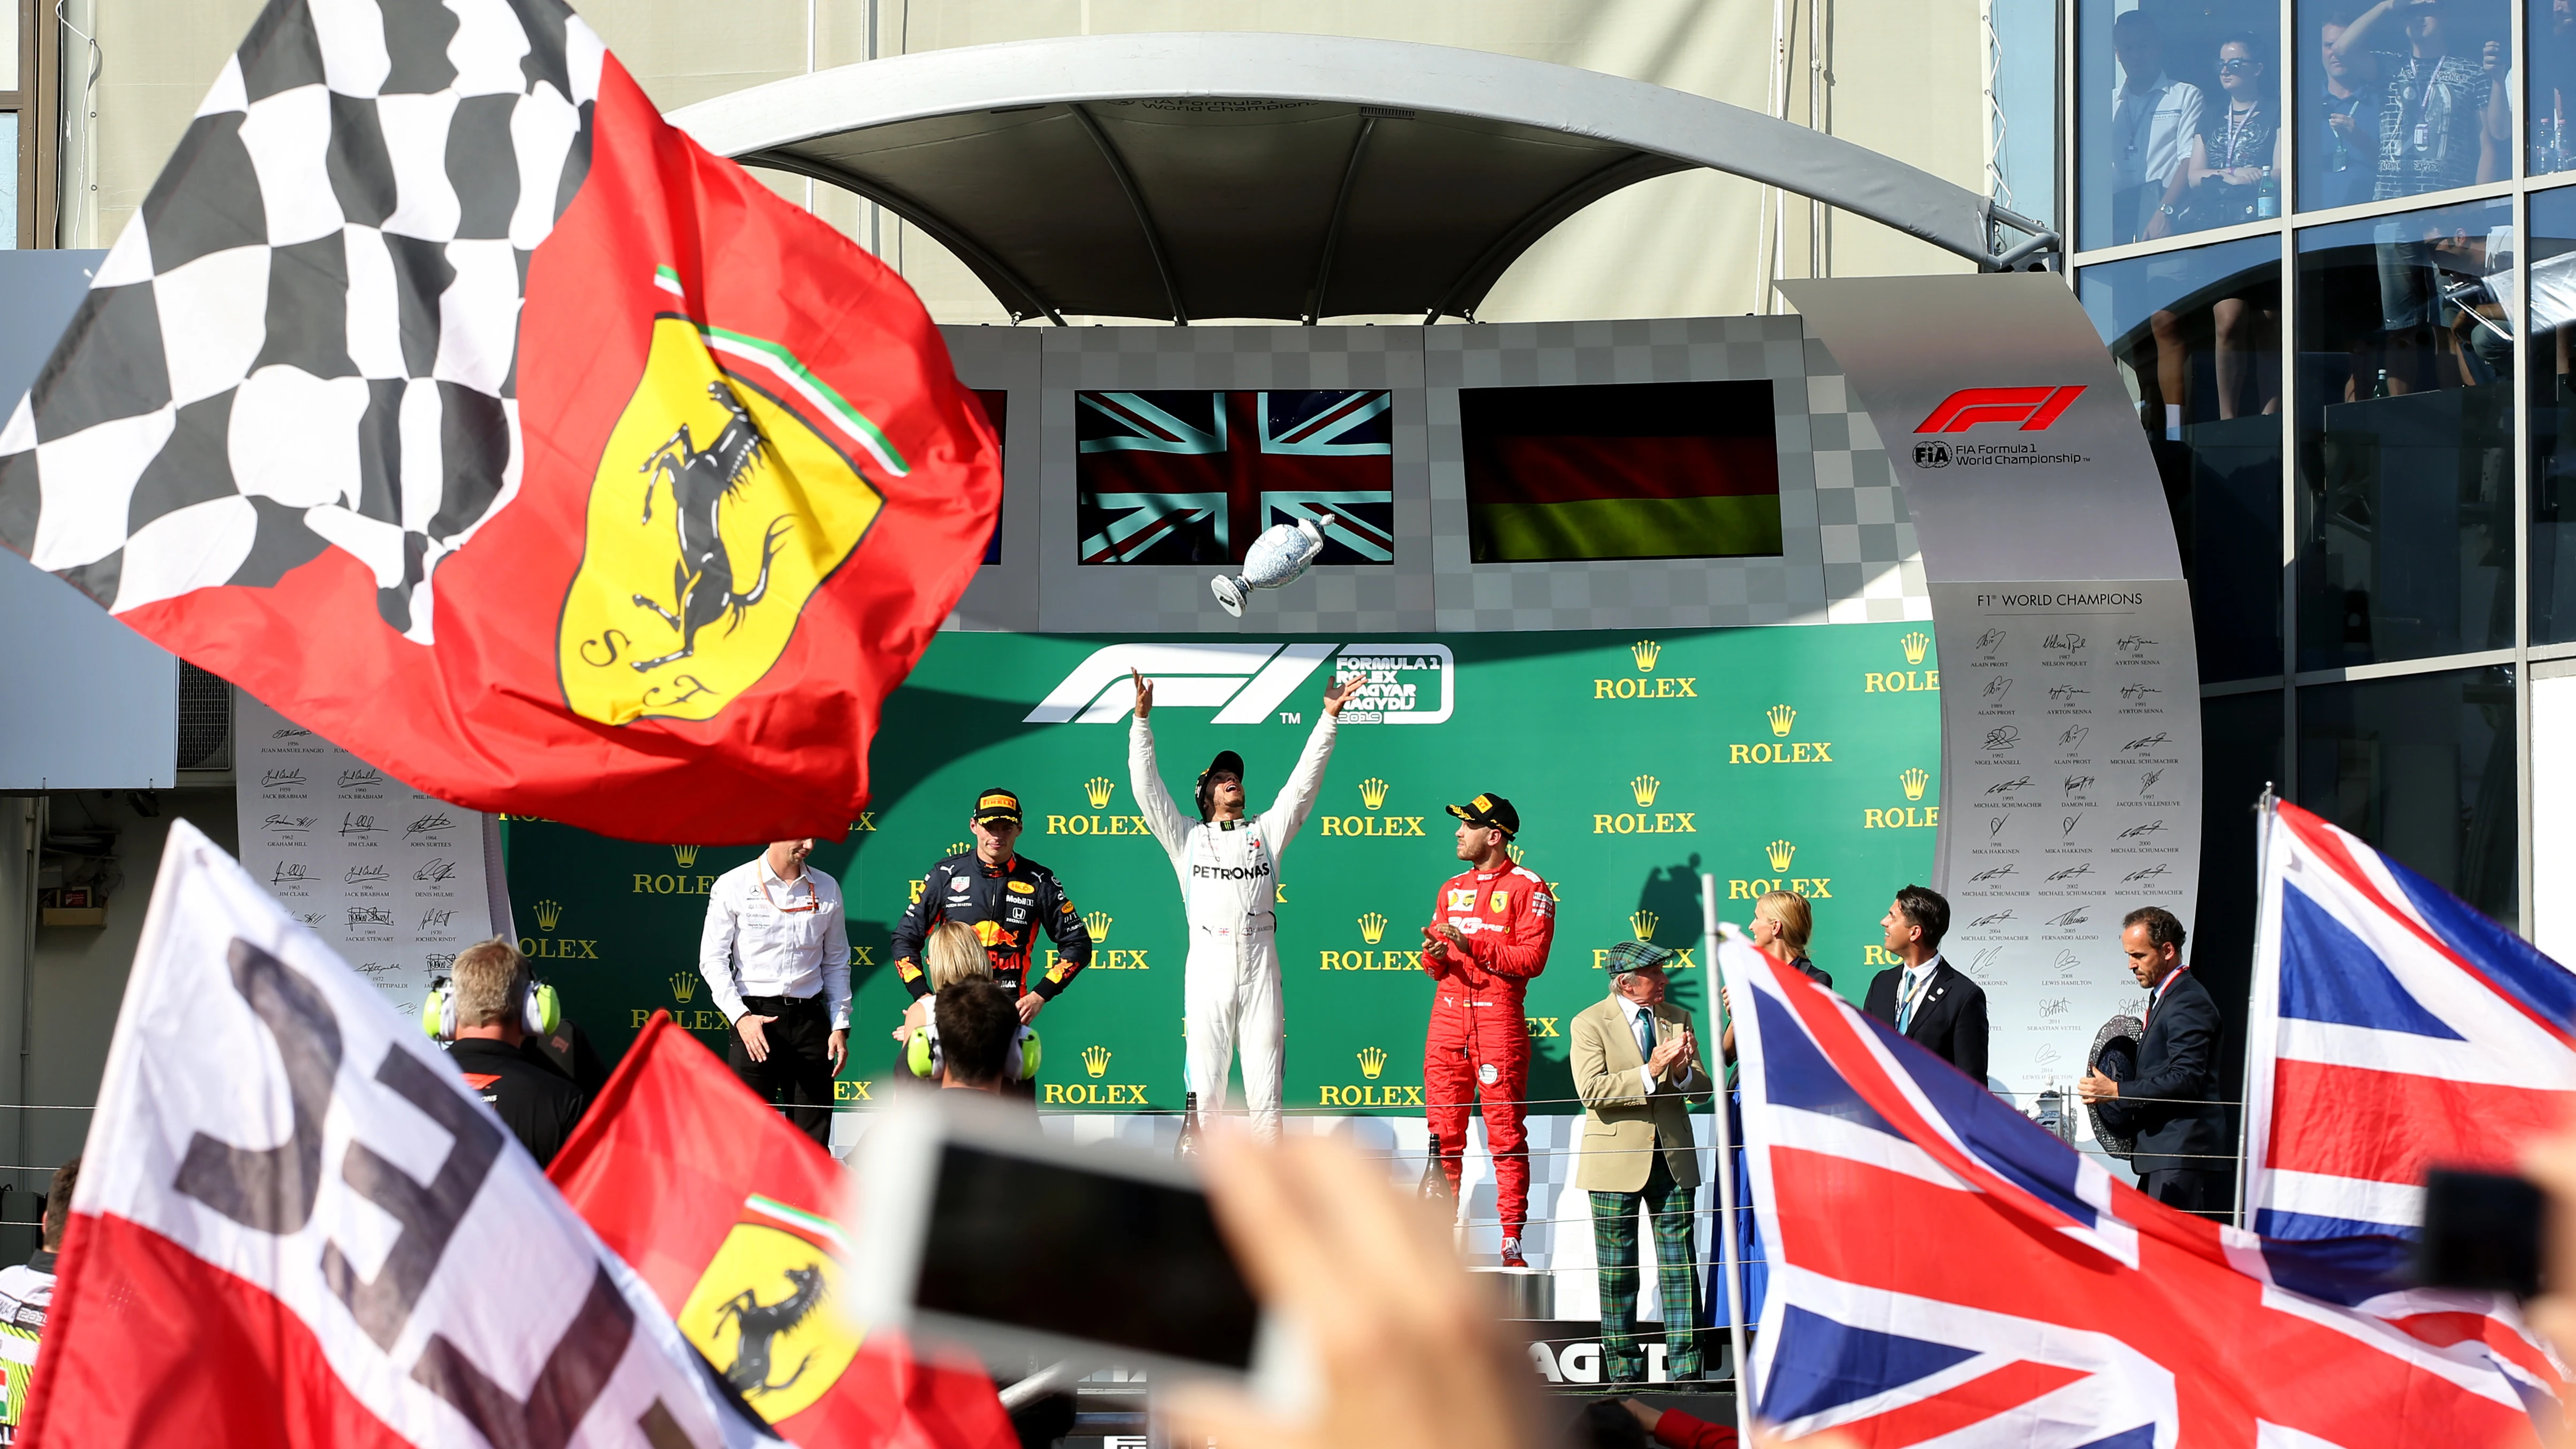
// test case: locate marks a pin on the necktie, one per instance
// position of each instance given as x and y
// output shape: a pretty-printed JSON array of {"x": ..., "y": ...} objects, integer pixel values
[
  {"x": 1645, "y": 1023},
  {"x": 1905, "y": 1013}
]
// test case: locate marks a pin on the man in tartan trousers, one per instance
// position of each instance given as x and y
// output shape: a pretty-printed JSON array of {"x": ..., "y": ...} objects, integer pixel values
[{"x": 1635, "y": 1061}]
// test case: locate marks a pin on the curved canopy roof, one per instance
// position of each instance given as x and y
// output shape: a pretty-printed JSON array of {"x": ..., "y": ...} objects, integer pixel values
[{"x": 1279, "y": 176}]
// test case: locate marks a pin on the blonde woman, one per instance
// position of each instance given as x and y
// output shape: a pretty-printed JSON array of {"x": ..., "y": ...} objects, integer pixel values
[
  {"x": 1781, "y": 924},
  {"x": 952, "y": 953}
]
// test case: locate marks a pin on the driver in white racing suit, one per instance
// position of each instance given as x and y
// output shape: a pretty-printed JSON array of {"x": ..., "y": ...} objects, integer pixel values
[{"x": 1228, "y": 867}]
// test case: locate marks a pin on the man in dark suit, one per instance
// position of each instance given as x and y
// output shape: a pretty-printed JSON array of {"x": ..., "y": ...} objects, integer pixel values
[
  {"x": 1927, "y": 1000},
  {"x": 2169, "y": 1107}
]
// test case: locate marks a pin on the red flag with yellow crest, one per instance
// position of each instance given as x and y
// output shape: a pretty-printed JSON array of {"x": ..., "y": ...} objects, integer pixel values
[
  {"x": 546, "y": 461},
  {"x": 720, "y": 1206}
]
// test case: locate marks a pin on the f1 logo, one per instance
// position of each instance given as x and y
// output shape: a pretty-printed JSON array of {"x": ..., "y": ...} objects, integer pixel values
[{"x": 2034, "y": 408}]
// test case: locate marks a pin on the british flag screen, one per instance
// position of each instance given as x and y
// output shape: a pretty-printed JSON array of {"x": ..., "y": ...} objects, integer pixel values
[{"x": 1194, "y": 477}]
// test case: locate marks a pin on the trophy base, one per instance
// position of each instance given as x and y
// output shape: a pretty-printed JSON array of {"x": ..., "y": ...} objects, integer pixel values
[{"x": 1230, "y": 594}]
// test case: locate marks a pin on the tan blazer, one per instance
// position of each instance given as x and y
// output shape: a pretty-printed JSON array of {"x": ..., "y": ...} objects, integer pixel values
[{"x": 1620, "y": 1124}]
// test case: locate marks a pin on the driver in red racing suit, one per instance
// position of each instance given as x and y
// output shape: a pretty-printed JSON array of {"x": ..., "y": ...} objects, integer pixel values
[{"x": 1489, "y": 934}]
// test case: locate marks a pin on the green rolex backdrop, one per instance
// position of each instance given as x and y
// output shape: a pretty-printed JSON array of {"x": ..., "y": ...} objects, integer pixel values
[{"x": 1800, "y": 758}]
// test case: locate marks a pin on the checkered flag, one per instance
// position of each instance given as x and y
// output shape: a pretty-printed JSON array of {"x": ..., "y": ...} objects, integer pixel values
[{"x": 308, "y": 336}]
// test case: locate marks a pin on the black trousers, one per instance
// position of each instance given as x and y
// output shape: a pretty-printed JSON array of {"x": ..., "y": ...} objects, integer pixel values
[
  {"x": 798, "y": 1074},
  {"x": 2193, "y": 1189}
]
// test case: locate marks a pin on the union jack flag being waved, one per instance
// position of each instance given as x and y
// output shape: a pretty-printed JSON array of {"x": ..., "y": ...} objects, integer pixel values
[
  {"x": 1193, "y": 477},
  {"x": 1943, "y": 1269},
  {"x": 2394, "y": 1028}
]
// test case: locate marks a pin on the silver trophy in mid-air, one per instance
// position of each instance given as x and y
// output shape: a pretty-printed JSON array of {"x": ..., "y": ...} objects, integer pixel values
[{"x": 1276, "y": 559}]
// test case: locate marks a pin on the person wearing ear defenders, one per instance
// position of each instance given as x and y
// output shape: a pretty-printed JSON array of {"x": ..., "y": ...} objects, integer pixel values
[
  {"x": 487, "y": 1012},
  {"x": 975, "y": 1040}
]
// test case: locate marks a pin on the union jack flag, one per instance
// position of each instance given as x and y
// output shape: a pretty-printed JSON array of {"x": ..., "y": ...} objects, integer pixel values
[
  {"x": 1945, "y": 1269},
  {"x": 2394, "y": 1028},
  {"x": 1194, "y": 477}
]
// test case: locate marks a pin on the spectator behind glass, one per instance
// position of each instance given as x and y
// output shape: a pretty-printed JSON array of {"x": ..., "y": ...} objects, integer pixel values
[
  {"x": 2442, "y": 119},
  {"x": 952, "y": 953},
  {"x": 2228, "y": 177},
  {"x": 977, "y": 1023},
  {"x": 2337, "y": 141},
  {"x": 2553, "y": 89},
  {"x": 2153, "y": 118}
]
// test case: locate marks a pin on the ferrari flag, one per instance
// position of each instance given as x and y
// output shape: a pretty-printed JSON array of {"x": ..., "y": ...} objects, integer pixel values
[
  {"x": 297, "y": 1228},
  {"x": 1945, "y": 1270},
  {"x": 719, "y": 1205},
  {"x": 448, "y": 400}
]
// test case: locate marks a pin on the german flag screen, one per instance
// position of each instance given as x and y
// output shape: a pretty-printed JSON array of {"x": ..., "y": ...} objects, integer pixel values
[{"x": 1617, "y": 471}]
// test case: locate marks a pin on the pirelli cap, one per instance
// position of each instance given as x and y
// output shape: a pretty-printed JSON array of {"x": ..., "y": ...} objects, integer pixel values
[
  {"x": 1227, "y": 762},
  {"x": 1491, "y": 811},
  {"x": 997, "y": 805},
  {"x": 1633, "y": 955}
]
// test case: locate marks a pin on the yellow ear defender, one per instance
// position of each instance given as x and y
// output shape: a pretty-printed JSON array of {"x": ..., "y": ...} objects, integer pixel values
[
  {"x": 541, "y": 1011},
  {"x": 921, "y": 1054}
]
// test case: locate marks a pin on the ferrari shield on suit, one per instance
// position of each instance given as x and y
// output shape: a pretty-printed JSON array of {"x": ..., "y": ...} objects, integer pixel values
[{"x": 446, "y": 399}]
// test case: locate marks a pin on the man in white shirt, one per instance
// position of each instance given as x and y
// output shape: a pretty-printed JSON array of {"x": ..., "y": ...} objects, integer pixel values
[
  {"x": 776, "y": 956},
  {"x": 2153, "y": 118}
]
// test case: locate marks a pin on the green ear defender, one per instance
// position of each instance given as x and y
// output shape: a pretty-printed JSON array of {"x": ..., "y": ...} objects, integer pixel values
[{"x": 921, "y": 1054}]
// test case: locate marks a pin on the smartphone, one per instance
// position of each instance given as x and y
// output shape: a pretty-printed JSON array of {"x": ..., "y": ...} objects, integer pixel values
[
  {"x": 2481, "y": 1231},
  {"x": 970, "y": 1223}
]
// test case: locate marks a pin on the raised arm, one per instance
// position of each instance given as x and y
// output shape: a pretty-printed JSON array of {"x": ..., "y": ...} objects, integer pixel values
[
  {"x": 1297, "y": 793},
  {"x": 1161, "y": 816}
]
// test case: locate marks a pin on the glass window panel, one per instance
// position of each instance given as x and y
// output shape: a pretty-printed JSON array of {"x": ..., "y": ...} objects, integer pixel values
[
  {"x": 8, "y": 180},
  {"x": 2550, "y": 31},
  {"x": 2178, "y": 117},
  {"x": 2421, "y": 767},
  {"x": 2197, "y": 336},
  {"x": 2405, "y": 432},
  {"x": 2403, "y": 96},
  {"x": 2241, "y": 739},
  {"x": 2553, "y": 416}
]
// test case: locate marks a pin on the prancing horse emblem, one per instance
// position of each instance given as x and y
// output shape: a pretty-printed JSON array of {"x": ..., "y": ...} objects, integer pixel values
[
  {"x": 759, "y": 1325},
  {"x": 702, "y": 581}
]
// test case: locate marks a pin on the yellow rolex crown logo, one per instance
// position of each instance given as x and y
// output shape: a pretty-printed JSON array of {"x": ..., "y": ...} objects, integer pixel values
[
  {"x": 1782, "y": 716},
  {"x": 1095, "y": 1060},
  {"x": 1372, "y": 1062},
  {"x": 1915, "y": 645},
  {"x": 1097, "y": 923},
  {"x": 1914, "y": 781},
  {"x": 1372, "y": 927},
  {"x": 1515, "y": 852},
  {"x": 1647, "y": 651},
  {"x": 1644, "y": 788},
  {"x": 1372, "y": 792},
  {"x": 686, "y": 855},
  {"x": 1643, "y": 923},
  {"x": 548, "y": 912},
  {"x": 1099, "y": 788},
  {"x": 684, "y": 986},
  {"x": 958, "y": 847},
  {"x": 1780, "y": 853}
]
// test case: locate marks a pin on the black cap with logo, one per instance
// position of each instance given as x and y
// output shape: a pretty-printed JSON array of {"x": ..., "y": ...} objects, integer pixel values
[
  {"x": 1491, "y": 811},
  {"x": 997, "y": 804},
  {"x": 1227, "y": 762}
]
